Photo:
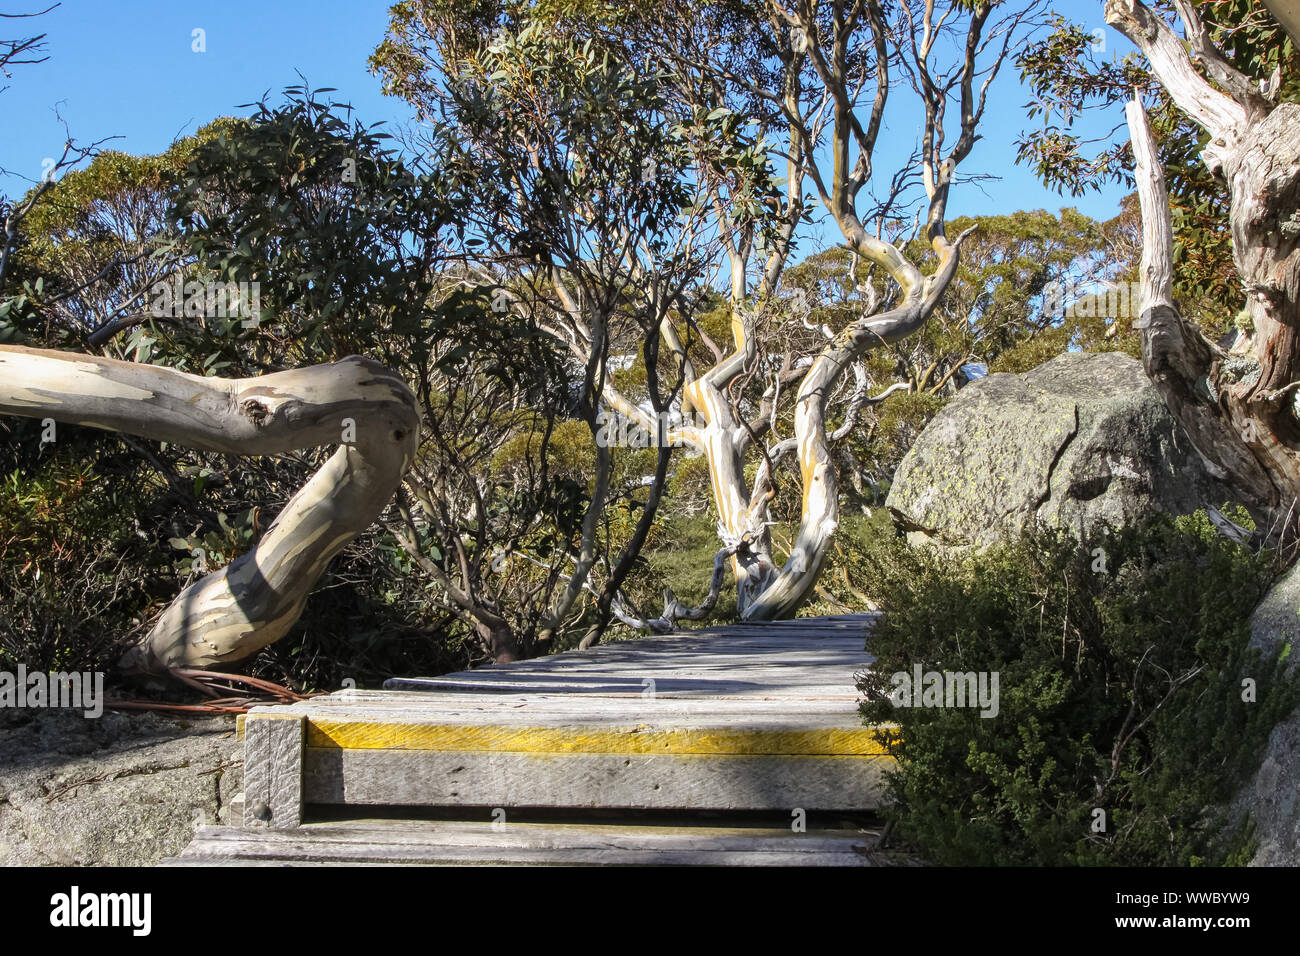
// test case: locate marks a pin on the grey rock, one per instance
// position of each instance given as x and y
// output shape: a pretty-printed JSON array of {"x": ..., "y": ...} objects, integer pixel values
[
  {"x": 1082, "y": 439},
  {"x": 120, "y": 790},
  {"x": 1272, "y": 797}
]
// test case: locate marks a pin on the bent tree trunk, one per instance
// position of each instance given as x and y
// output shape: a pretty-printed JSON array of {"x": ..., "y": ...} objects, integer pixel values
[
  {"x": 364, "y": 408},
  {"x": 1246, "y": 427}
]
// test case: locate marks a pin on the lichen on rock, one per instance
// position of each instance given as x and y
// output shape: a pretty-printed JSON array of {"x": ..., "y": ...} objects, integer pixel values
[{"x": 1082, "y": 439}]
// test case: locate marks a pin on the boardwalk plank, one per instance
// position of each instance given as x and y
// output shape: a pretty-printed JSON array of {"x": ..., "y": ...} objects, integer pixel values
[
  {"x": 406, "y": 842},
  {"x": 433, "y": 778}
]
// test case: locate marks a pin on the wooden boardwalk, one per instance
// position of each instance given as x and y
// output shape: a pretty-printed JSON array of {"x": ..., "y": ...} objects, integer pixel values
[
  {"x": 743, "y": 718},
  {"x": 431, "y": 843}
]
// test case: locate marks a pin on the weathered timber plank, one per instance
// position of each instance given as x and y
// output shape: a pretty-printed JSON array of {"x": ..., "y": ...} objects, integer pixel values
[
  {"x": 224, "y": 863},
  {"x": 313, "y": 855},
  {"x": 472, "y": 703},
  {"x": 635, "y": 781},
  {"x": 396, "y": 702},
  {"x": 484, "y": 833},
  {"x": 429, "y": 723},
  {"x": 561, "y": 711},
  {"x": 273, "y": 765},
  {"x": 784, "y": 658},
  {"x": 410, "y": 842}
]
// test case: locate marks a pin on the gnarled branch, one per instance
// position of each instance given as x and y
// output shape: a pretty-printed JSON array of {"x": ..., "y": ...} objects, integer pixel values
[{"x": 355, "y": 403}]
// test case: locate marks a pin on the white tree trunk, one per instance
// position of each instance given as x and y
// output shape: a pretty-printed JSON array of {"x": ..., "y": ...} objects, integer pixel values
[
  {"x": 1248, "y": 429},
  {"x": 742, "y": 521},
  {"x": 1288, "y": 14},
  {"x": 354, "y": 403}
]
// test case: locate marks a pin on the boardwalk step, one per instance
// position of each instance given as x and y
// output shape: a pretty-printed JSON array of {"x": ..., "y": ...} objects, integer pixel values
[
  {"x": 389, "y": 842},
  {"x": 754, "y": 717},
  {"x": 581, "y": 752}
]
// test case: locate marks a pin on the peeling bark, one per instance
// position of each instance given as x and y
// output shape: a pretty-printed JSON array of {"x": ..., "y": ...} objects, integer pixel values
[{"x": 1247, "y": 430}]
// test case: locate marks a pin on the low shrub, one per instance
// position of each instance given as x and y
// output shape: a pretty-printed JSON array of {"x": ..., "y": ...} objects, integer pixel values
[
  {"x": 1130, "y": 705},
  {"x": 75, "y": 574}
]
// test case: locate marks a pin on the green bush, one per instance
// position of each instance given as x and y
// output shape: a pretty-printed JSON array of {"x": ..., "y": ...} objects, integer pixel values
[
  {"x": 1121, "y": 664},
  {"x": 75, "y": 575},
  {"x": 679, "y": 554}
]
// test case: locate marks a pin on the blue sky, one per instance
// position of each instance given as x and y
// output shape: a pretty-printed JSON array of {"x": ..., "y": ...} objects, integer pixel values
[{"x": 128, "y": 69}]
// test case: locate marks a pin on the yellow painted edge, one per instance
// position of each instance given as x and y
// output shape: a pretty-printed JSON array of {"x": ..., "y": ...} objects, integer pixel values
[
  {"x": 323, "y": 733},
  {"x": 241, "y": 721}
]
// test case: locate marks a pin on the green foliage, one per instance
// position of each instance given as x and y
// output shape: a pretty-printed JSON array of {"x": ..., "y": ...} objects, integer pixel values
[
  {"x": 680, "y": 555},
  {"x": 689, "y": 485},
  {"x": 1120, "y": 667},
  {"x": 93, "y": 243},
  {"x": 569, "y": 444},
  {"x": 74, "y": 572},
  {"x": 901, "y": 419},
  {"x": 341, "y": 234}
]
